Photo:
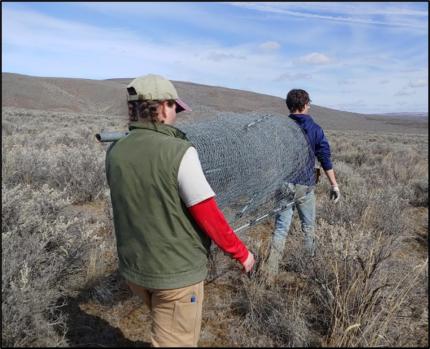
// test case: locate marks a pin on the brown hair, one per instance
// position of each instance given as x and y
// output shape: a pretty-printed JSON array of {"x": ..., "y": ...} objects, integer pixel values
[
  {"x": 145, "y": 110},
  {"x": 297, "y": 99}
]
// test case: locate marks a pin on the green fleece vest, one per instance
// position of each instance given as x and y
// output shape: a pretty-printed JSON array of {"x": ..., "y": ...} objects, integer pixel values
[{"x": 159, "y": 245}]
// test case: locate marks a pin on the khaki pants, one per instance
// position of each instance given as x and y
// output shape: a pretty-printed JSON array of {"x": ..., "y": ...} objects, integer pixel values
[{"x": 176, "y": 314}]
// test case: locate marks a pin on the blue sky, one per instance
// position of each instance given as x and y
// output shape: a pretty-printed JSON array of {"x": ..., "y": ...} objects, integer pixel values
[{"x": 363, "y": 57}]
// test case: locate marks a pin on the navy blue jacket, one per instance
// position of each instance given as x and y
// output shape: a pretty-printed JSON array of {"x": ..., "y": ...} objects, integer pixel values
[{"x": 316, "y": 138}]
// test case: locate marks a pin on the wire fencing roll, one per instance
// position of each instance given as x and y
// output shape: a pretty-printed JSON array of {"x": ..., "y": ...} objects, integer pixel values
[{"x": 248, "y": 158}]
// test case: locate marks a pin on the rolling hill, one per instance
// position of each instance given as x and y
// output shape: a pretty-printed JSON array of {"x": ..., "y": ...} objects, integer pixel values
[{"x": 108, "y": 96}]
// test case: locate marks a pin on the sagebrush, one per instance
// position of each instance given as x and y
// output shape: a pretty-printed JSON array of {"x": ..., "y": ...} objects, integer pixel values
[{"x": 365, "y": 287}]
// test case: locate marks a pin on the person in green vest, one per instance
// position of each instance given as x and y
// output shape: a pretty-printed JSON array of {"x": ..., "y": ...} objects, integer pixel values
[{"x": 165, "y": 213}]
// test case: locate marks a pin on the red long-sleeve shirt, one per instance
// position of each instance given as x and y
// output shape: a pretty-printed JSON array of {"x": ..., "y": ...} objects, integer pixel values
[{"x": 212, "y": 221}]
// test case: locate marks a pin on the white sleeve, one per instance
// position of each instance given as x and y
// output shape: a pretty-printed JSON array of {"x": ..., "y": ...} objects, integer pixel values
[{"x": 193, "y": 186}]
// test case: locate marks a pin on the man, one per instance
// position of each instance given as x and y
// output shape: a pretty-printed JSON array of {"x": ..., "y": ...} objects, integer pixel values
[
  {"x": 165, "y": 214},
  {"x": 303, "y": 196}
]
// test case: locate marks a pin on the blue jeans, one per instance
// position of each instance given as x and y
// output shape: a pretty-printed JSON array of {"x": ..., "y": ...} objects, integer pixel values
[{"x": 304, "y": 201}]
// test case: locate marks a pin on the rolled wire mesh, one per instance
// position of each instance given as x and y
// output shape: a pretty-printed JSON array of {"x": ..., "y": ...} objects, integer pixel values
[{"x": 248, "y": 159}]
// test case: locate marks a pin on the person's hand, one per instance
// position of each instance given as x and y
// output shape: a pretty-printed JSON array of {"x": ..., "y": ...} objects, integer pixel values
[
  {"x": 249, "y": 263},
  {"x": 334, "y": 193}
]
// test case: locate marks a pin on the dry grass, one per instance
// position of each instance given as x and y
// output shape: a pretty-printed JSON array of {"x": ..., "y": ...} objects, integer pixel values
[{"x": 367, "y": 285}]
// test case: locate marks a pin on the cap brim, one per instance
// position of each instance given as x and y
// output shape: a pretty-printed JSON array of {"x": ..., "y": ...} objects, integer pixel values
[{"x": 181, "y": 106}]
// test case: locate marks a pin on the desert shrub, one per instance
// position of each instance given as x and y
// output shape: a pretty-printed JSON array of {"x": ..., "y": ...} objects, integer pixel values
[
  {"x": 360, "y": 293},
  {"x": 401, "y": 166},
  {"x": 351, "y": 294},
  {"x": 354, "y": 201},
  {"x": 387, "y": 212},
  {"x": 48, "y": 254},
  {"x": 374, "y": 209},
  {"x": 403, "y": 170},
  {"x": 380, "y": 149},
  {"x": 346, "y": 296},
  {"x": 41, "y": 148},
  {"x": 356, "y": 158},
  {"x": 272, "y": 316},
  {"x": 21, "y": 205},
  {"x": 8, "y": 128},
  {"x": 81, "y": 172},
  {"x": 356, "y": 288},
  {"x": 44, "y": 257},
  {"x": 78, "y": 170},
  {"x": 376, "y": 191},
  {"x": 420, "y": 196}
]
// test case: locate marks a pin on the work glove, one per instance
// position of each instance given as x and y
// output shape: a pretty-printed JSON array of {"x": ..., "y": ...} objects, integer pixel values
[{"x": 334, "y": 193}]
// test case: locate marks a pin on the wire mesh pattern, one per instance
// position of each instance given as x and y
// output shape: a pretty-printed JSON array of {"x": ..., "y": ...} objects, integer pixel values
[{"x": 248, "y": 158}]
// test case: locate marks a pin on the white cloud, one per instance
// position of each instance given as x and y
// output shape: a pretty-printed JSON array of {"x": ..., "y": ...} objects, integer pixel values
[
  {"x": 418, "y": 83},
  {"x": 69, "y": 48},
  {"x": 393, "y": 15},
  {"x": 270, "y": 45},
  {"x": 33, "y": 30},
  {"x": 77, "y": 48},
  {"x": 293, "y": 77},
  {"x": 402, "y": 93},
  {"x": 219, "y": 56},
  {"x": 346, "y": 82},
  {"x": 314, "y": 58}
]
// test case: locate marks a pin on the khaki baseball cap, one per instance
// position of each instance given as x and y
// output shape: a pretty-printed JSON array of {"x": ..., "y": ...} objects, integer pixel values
[{"x": 154, "y": 87}]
